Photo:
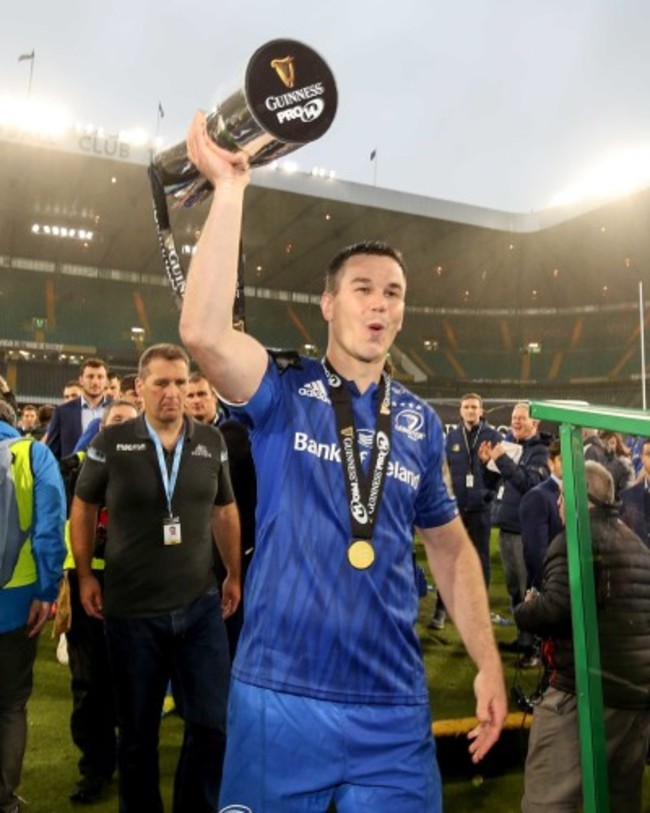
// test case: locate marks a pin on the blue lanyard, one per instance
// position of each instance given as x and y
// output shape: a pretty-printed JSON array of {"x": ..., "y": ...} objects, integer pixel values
[{"x": 169, "y": 480}]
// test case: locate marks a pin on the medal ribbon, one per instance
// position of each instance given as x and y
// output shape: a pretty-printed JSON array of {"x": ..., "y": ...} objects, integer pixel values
[
  {"x": 364, "y": 490},
  {"x": 168, "y": 479}
]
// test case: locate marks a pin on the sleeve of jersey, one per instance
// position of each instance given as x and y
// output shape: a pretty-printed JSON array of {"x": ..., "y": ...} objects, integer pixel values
[
  {"x": 435, "y": 505},
  {"x": 48, "y": 522},
  {"x": 260, "y": 407},
  {"x": 93, "y": 477}
]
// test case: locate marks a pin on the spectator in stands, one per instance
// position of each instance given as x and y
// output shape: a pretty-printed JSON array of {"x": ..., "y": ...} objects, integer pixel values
[
  {"x": 29, "y": 424},
  {"x": 473, "y": 496},
  {"x": 636, "y": 500},
  {"x": 512, "y": 474},
  {"x": 71, "y": 419},
  {"x": 72, "y": 390},
  {"x": 26, "y": 599},
  {"x": 622, "y": 575},
  {"x": 164, "y": 481},
  {"x": 113, "y": 386},
  {"x": 93, "y": 720}
]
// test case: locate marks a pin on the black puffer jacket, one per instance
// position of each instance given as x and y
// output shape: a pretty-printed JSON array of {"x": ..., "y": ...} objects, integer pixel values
[{"x": 622, "y": 578}]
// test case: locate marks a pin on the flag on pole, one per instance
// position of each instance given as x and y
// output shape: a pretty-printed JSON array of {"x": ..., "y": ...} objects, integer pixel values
[
  {"x": 24, "y": 57},
  {"x": 161, "y": 112},
  {"x": 373, "y": 154}
]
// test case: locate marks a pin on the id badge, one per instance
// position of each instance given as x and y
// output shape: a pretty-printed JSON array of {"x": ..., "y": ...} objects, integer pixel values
[
  {"x": 172, "y": 531},
  {"x": 469, "y": 481},
  {"x": 500, "y": 492}
]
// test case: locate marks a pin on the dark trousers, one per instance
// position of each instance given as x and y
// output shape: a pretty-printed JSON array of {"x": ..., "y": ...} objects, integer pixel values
[
  {"x": 190, "y": 647},
  {"x": 478, "y": 526},
  {"x": 17, "y": 655},
  {"x": 94, "y": 720}
]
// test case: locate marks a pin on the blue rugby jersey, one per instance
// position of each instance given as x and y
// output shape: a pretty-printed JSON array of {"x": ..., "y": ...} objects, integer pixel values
[{"x": 314, "y": 625}]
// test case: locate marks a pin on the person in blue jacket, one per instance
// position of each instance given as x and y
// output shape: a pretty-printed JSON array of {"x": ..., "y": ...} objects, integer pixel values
[{"x": 26, "y": 599}]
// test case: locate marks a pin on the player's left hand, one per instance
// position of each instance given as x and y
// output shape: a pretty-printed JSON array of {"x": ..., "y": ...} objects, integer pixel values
[{"x": 491, "y": 711}]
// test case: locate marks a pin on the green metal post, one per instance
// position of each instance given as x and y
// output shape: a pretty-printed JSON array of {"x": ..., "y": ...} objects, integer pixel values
[{"x": 581, "y": 580}]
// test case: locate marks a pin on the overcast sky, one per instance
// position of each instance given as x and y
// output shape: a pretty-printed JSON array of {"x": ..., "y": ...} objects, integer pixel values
[{"x": 499, "y": 103}]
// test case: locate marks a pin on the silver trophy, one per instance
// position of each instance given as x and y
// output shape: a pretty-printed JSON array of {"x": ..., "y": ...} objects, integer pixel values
[{"x": 288, "y": 99}]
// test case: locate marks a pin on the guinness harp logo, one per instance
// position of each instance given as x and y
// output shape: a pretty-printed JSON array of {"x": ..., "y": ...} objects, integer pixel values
[{"x": 286, "y": 70}]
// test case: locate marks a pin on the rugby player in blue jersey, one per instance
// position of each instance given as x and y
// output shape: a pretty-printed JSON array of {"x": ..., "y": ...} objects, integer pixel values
[{"x": 329, "y": 698}]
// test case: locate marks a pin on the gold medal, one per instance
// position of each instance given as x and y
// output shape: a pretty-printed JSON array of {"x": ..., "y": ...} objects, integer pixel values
[{"x": 361, "y": 554}]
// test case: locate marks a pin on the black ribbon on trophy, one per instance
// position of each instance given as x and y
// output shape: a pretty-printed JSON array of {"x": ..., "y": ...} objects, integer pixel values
[{"x": 288, "y": 99}]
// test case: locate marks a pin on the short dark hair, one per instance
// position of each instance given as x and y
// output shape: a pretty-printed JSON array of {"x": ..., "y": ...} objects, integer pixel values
[
  {"x": 376, "y": 248},
  {"x": 111, "y": 375},
  {"x": 128, "y": 382},
  {"x": 45, "y": 413},
  {"x": 169, "y": 352},
  {"x": 92, "y": 362},
  {"x": 198, "y": 376},
  {"x": 30, "y": 407},
  {"x": 554, "y": 449},
  {"x": 74, "y": 382}
]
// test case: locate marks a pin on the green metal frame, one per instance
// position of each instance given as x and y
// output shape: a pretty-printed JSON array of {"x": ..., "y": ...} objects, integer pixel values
[{"x": 572, "y": 417}]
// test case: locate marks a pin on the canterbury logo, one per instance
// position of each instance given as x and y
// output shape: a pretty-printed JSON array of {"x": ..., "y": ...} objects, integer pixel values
[{"x": 285, "y": 69}]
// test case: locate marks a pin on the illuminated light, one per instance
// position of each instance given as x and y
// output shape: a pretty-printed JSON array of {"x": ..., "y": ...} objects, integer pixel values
[
  {"x": 603, "y": 229},
  {"x": 533, "y": 347},
  {"x": 617, "y": 174},
  {"x": 556, "y": 272},
  {"x": 430, "y": 344},
  {"x": 34, "y": 115},
  {"x": 36, "y": 228},
  {"x": 258, "y": 268},
  {"x": 138, "y": 137},
  {"x": 605, "y": 289},
  {"x": 511, "y": 246},
  {"x": 331, "y": 174},
  {"x": 288, "y": 248},
  {"x": 484, "y": 274},
  {"x": 534, "y": 291},
  {"x": 47, "y": 229},
  {"x": 628, "y": 262},
  {"x": 113, "y": 179},
  {"x": 290, "y": 167},
  {"x": 328, "y": 217}
]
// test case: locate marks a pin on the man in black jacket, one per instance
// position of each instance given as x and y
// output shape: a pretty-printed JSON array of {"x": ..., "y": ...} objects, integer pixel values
[{"x": 622, "y": 577}]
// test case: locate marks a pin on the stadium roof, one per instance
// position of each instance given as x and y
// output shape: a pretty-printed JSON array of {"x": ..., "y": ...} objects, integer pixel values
[{"x": 458, "y": 256}]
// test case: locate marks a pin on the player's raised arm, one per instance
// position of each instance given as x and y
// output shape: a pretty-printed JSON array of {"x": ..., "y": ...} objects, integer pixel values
[{"x": 233, "y": 361}]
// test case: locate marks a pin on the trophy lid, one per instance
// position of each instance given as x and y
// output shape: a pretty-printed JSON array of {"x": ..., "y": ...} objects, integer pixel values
[{"x": 290, "y": 91}]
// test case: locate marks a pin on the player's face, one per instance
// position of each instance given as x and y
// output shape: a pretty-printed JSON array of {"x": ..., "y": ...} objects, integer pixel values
[
  {"x": 367, "y": 310},
  {"x": 93, "y": 381},
  {"x": 200, "y": 401},
  {"x": 163, "y": 390},
  {"x": 471, "y": 411}
]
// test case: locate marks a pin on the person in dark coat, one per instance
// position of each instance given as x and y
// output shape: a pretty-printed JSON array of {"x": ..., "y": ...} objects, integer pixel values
[{"x": 622, "y": 579}]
